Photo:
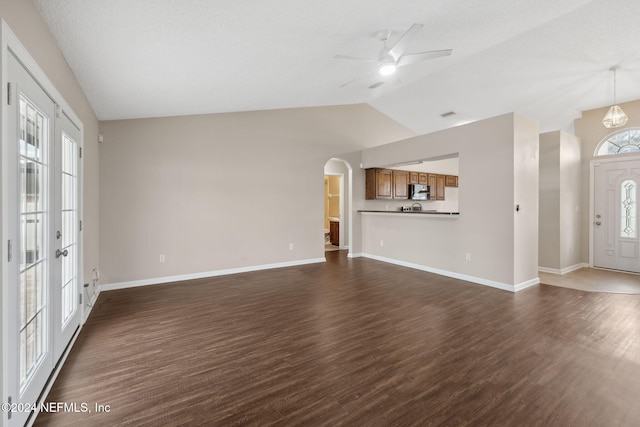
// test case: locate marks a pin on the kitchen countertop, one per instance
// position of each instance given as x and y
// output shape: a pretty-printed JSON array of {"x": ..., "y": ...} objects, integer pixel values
[{"x": 423, "y": 212}]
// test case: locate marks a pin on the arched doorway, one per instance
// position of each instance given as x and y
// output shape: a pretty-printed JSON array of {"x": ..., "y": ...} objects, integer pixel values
[{"x": 338, "y": 218}]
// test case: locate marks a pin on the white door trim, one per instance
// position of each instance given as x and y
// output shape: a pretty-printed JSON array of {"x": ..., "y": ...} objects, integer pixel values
[{"x": 592, "y": 164}]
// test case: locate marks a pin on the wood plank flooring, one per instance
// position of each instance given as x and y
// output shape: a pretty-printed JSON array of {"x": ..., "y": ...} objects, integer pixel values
[{"x": 353, "y": 342}]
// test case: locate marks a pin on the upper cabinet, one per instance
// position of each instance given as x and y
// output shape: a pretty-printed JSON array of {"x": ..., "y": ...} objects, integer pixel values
[
  {"x": 400, "y": 184},
  {"x": 379, "y": 184},
  {"x": 436, "y": 185},
  {"x": 451, "y": 180},
  {"x": 394, "y": 184}
]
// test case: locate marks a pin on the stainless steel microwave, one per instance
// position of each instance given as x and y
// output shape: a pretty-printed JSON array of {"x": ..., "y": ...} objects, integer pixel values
[{"x": 419, "y": 192}]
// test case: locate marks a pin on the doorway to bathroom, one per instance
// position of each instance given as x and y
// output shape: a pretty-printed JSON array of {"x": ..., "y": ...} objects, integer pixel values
[
  {"x": 337, "y": 201},
  {"x": 332, "y": 211}
]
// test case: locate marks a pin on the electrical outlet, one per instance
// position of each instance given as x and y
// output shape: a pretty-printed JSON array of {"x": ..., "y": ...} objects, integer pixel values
[
  {"x": 467, "y": 256},
  {"x": 290, "y": 246},
  {"x": 162, "y": 259},
  {"x": 381, "y": 242}
]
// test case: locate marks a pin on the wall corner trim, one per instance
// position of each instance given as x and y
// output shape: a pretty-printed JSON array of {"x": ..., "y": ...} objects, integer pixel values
[
  {"x": 214, "y": 273},
  {"x": 467, "y": 278}
]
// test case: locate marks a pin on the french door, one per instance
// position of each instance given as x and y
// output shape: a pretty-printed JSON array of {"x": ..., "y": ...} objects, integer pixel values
[
  {"x": 616, "y": 233},
  {"x": 41, "y": 208}
]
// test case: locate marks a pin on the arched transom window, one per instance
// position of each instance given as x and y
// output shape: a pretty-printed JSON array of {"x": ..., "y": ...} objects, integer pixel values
[{"x": 626, "y": 141}]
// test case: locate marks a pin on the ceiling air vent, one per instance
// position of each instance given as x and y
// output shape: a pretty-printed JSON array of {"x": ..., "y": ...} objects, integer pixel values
[{"x": 448, "y": 114}]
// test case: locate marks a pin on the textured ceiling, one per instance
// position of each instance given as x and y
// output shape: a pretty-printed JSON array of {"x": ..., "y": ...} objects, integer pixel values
[{"x": 547, "y": 59}]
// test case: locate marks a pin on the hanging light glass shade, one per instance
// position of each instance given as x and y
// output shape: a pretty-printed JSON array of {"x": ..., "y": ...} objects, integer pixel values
[{"x": 615, "y": 117}]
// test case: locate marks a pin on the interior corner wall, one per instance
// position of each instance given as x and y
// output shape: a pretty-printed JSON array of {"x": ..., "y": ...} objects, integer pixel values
[
  {"x": 590, "y": 130},
  {"x": 485, "y": 228},
  {"x": 526, "y": 142},
  {"x": 549, "y": 196},
  {"x": 570, "y": 201},
  {"x": 357, "y": 199}
]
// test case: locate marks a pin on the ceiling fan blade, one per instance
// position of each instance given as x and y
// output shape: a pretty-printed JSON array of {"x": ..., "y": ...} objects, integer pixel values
[
  {"x": 401, "y": 45},
  {"x": 359, "y": 77},
  {"x": 355, "y": 58},
  {"x": 422, "y": 56}
]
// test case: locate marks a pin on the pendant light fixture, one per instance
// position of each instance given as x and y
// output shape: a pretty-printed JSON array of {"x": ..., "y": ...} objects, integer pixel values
[{"x": 615, "y": 117}]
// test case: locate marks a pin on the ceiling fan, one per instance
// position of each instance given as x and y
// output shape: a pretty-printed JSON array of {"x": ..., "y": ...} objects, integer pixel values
[{"x": 391, "y": 58}]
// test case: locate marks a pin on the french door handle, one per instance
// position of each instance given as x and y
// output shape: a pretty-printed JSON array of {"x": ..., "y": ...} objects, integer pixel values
[{"x": 60, "y": 253}]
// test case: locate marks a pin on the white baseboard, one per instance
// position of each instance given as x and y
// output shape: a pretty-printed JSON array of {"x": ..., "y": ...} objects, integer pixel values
[
  {"x": 358, "y": 255},
  {"x": 182, "y": 277},
  {"x": 564, "y": 270},
  {"x": 473, "y": 279}
]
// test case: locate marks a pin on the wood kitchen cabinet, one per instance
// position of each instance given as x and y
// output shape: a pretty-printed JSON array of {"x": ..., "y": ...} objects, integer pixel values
[
  {"x": 379, "y": 184},
  {"x": 334, "y": 233},
  {"x": 394, "y": 184},
  {"x": 436, "y": 186},
  {"x": 450, "y": 180},
  {"x": 400, "y": 184}
]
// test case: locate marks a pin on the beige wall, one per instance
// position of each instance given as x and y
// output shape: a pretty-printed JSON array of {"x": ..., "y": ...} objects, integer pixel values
[
  {"x": 498, "y": 162},
  {"x": 560, "y": 201},
  {"x": 591, "y": 131},
  {"x": 223, "y": 191},
  {"x": 549, "y": 228}
]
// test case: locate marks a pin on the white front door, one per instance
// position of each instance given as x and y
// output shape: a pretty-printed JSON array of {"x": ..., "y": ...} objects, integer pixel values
[
  {"x": 616, "y": 234},
  {"x": 41, "y": 221}
]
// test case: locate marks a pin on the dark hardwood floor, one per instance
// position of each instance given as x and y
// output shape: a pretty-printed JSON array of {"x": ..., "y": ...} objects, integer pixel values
[{"x": 353, "y": 342}]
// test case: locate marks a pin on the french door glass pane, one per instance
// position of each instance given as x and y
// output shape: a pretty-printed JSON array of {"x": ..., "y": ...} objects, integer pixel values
[
  {"x": 69, "y": 226},
  {"x": 33, "y": 152}
]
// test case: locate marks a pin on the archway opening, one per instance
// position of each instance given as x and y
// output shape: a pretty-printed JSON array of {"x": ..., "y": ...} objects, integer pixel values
[{"x": 338, "y": 202}]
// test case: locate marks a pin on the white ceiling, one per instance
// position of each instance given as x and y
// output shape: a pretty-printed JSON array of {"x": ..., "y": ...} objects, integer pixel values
[{"x": 547, "y": 59}]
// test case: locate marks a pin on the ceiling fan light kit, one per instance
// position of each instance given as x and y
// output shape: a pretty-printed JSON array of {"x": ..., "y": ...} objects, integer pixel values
[
  {"x": 394, "y": 57},
  {"x": 387, "y": 68},
  {"x": 615, "y": 117}
]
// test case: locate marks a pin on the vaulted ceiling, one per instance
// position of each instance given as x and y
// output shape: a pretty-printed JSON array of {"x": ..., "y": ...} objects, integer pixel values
[{"x": 547, "y": 59}]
